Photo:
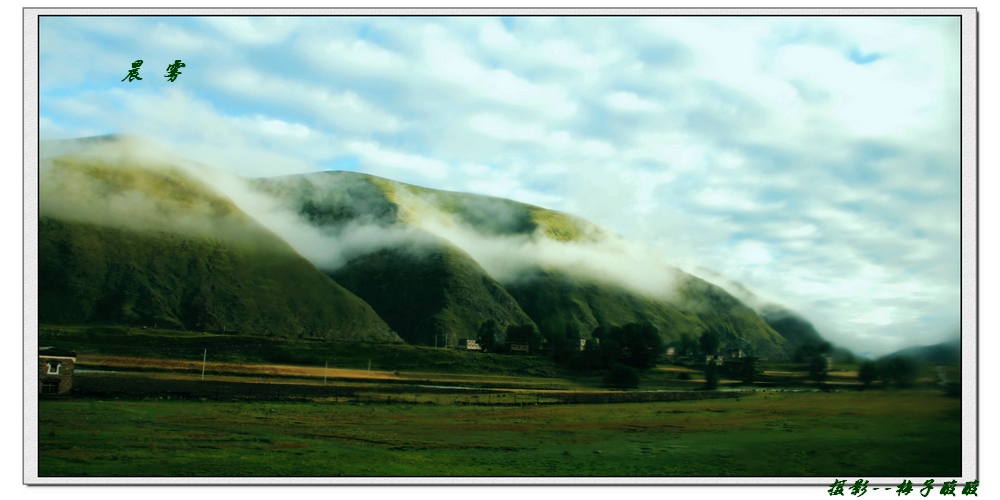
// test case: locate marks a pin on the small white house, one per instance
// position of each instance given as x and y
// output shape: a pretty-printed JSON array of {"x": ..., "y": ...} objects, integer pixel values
[{"x": 469, "y": 345}]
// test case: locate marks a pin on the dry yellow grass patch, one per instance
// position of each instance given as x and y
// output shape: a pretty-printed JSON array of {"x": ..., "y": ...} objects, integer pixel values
[{"x": 125, "y": 362}]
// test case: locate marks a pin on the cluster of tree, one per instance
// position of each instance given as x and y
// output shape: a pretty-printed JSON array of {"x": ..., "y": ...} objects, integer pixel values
[
  {"x": 709, "y": 344},
  {"x": 710, "y": 341},
  {"x": 619, "y": 350},
  {"x": 687, "y": 345},
  {"x": 814, "y": 355},
  {"x": 898, "y": 370},
  {"x": 525, "y": 334},
  {"x": 492, "y": 338},
  {"x": 808, "y": 352}
]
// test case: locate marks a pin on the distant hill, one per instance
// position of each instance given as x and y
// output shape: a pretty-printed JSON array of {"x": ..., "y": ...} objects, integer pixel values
[
  {"x": 949, "y": 352},
  {"x": 123, "y": 244},
  {"x": 794, "y": 328}
]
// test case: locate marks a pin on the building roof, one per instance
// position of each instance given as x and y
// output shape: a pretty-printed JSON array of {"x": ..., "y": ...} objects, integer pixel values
[{"x": 55, "y": 351}]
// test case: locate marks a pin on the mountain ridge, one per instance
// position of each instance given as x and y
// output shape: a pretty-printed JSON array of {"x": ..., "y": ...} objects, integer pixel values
[{"x": 431, "y": 265}]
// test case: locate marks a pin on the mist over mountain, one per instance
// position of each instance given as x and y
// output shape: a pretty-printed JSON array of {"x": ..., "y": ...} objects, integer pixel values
[
  {"x": 130, "y": 235},
  {"x": 518, "y": 263},
  {"x": 128, "y": 241}
]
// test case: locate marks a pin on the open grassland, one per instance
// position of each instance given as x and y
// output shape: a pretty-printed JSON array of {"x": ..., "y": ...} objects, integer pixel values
[{"x": 845, "y": 434}]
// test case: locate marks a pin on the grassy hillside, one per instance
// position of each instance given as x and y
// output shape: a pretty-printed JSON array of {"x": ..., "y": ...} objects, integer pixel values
[
  {"x": 444, "y": 292},
  {"x": 439, "y": 292},
  {"x": 796, "y": 329},
  {"x": 129, "y": 245},
  {"x": 556, "y": 300},
  {"x": 738, "y": 324},
  {"x": 492, "y": 216},
  {"x": 431, "y": 293}
]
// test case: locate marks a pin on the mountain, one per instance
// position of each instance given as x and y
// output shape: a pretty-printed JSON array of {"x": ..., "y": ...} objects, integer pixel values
[
  {"x": 453, "y": 268},
  {"x": 427, "y": 289},
  {"x": 556, "y": 300},
  {"x": 121, "y": 242},
  {"x": 949, "y": 352},
  {"x": 794, "y": 328},
  {"x": 127, "y": 235}
]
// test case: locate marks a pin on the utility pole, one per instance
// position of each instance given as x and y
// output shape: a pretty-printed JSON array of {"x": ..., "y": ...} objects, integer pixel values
[
  {"x": 325, "y": 368},
  {"x": 204, "y": 358}
]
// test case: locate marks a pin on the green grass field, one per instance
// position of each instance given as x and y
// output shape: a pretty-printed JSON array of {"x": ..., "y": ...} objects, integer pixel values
[{"x": 845, "y": 434}]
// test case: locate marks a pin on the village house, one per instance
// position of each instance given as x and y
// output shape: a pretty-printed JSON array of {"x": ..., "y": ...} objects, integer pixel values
[
  {"x": 55, "y": 370},
  {"x": 469, "y": 345},
  {"x": 583, "y": 344},
  {"x": 718, "y": 360},
  {"x": 734, "y": 354},
  {"x": 517, "y": 347}
]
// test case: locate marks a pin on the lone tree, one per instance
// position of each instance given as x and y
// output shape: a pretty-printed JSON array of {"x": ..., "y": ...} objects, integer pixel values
[
  {"x": 689, "y": 345},
  {"x": 867, "y": 373},
  {"x": 488, "y": 335},
  {"x": 711, "y": 376},
  {"x": 817, "y": 369},
  {"x": 710, "y": 342},
  {"x": 748, "y": 370},
  {"x": 902, "y": 370}
]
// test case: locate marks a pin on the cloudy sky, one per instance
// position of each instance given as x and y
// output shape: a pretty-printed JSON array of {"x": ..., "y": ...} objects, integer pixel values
[{"x": 814, "y": 160}]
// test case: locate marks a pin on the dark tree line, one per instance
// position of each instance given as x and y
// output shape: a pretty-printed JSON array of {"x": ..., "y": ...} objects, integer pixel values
[
  {"x": 492, "y": 338},
  {"x": 898, "y": 370},
  {"x": 621, "y": 351}
]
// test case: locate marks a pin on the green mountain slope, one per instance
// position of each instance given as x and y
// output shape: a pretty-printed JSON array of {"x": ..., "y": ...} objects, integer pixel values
[
  {"x": 794, "y": 328},
  {"x": 426, "y": 289},
  {"x": 446, "y": 292},
  {"x": 555, "y": 300},
  {"x": 130, "y": 245},
  {"x": 439, "y": 293}
]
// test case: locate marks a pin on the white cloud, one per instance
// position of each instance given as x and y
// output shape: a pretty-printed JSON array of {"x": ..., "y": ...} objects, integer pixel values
[
  {"x": 254, "y": 30},
  {"x": 493, "y": 34},
  {"x": 351, "y": 56},
  {"x": 630, "y": 102},
  {"x": 345, "y": 109},
  {"x": 384, "y": 157}
]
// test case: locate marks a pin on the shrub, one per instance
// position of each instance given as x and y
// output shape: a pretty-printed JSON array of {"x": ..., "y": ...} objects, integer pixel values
[{"x": 867, "y": 373}]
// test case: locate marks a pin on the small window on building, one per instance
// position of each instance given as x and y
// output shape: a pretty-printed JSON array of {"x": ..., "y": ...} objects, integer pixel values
[
  {"x": 50, "y": 387},
  {"x": 54, "y": 367}
]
